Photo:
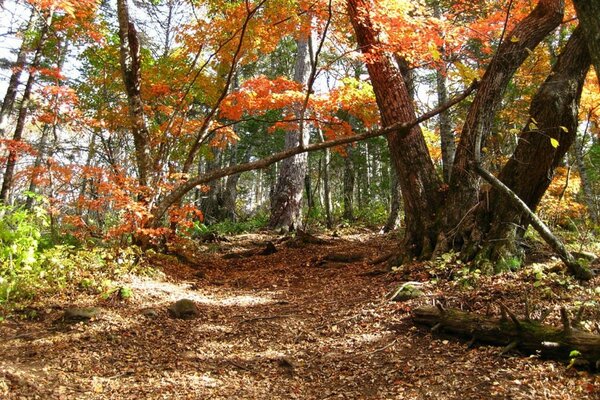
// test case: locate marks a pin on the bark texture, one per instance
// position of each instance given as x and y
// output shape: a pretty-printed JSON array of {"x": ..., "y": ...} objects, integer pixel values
[
  {"x": 416, "y": 173},
  {"x": 588, "y": 12},
  {"x": 13, "y": 82},
  {"x": 9, "y": 171},
  {"x": 523, "y": 334},
  {"x": 464, "y": 184},
  {"x": 545, "y": 139},
  {"x": 130, "y": 68},
  {"x": 287, "y": 198}
]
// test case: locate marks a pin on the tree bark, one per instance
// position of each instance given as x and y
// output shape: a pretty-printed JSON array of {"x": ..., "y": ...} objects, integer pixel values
[
  {"x": 588, "y": 12},
  {"x": 545, "y": 139},
  {"x": 526, "y": 335},
  {"x": 447, "y": 143},
  {"x": 463, "y": 193},
  {"x": 326, "y": 187},
  {"x": 130, "y": 68},
  {"x": 287, "y": 198},
  {"x": 416, "y": 173},
  {"x": 348, "y": 186},
  {"x": 588, "y": 193},
  {"x": 393, "y": 217},
  {"x": 13, "y": 83},
  {"x": 9, "y": 171}
]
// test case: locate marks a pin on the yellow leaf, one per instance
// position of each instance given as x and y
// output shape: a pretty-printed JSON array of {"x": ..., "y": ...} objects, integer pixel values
[
  {"x": 554, "y": 142},
  {"x": 435, "y": 53},
  {"x": 533, "y": 125},
  {"x": 565, "y": 129},
  {"x": 514, "y": 39}
]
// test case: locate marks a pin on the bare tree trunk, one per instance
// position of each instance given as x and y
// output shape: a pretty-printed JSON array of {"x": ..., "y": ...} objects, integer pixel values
[
  {"x": 588, "y": 193},
  {"x": 348, "y": 190},
  {"x": 13, "y": 83},
  {"x": 23, "y": 111},
  {"x": 394, "y": 216},
  {"x": 130, "y": 69},
  {"x": 35, "y": 173},
  {"x": 447, "y": 143},
  {"x": 588, "y": 12},
  {"x": 46, "y": 130},
  {"x": 287, "y": 199},
  {"x": 326, "y": 188}
]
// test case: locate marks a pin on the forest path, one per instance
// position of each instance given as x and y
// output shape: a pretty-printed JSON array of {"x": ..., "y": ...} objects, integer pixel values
[{"x": 283, "y": 326}]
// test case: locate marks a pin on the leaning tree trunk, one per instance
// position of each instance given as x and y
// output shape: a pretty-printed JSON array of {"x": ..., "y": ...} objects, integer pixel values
[
  {"x": 458, "y": 218},
  {"x": 287, "y": 197},
  {"x": 545, "y": 139},
  {"x": 416, "y": 173}
]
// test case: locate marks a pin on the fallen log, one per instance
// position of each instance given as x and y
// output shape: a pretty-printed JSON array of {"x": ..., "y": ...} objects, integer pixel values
[{"x": 527, "y": 335}]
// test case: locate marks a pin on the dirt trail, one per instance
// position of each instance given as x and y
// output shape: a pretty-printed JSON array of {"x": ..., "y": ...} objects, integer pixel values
[{"x": 283, "y": 326}]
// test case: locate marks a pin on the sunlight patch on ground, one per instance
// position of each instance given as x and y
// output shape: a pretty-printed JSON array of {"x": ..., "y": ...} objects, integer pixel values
[
  {"x": 365, "y": 338},
  {"x": 172, "y": 292}
]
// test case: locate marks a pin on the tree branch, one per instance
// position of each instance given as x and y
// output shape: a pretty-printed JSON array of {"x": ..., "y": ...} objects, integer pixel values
[{"x": 403, "y": 128}]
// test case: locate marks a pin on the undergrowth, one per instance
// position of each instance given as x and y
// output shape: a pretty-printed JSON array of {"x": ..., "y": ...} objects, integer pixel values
[{"x": 33, "y": 265}]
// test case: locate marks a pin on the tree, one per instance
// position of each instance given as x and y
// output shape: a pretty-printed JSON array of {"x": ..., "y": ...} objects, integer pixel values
[
  {"x": 287, "y": 198},
  {"x": 436, "y": 220},
  {"x": 588, "y": 12}
]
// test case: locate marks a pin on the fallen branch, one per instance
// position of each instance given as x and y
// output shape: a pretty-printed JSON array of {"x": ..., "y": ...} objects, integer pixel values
[{"x": 531, "y": 337}]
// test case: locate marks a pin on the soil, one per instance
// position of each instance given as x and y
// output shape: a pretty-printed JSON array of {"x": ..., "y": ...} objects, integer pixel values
[{"x": 287, "y": 325}]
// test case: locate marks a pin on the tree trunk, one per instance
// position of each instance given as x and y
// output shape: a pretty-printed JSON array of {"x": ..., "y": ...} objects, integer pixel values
[
  {"x": 23, "y": 111},
  {"x": 416, "y": 173},
  {"x": 393, "y": 217},
  {"x": 13, "y": 83},
  {"x": 326, "y": 188},
  {"x": 287, "y": 199},
  {"x": 444, "y": 123},
  {"x": 588, "y": 193},
  {"x": 588, "y": 12},
  {"x": 545, "y": 139},
  {"x": 130, "y": 69},
  {"x": 463, "y": 194},
  {"x": 348, "y": 186},
  {"x": 46, "y": 129}
]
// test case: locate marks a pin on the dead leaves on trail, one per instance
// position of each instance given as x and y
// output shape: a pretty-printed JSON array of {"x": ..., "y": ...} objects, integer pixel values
[{"x": 274, "y": 326}]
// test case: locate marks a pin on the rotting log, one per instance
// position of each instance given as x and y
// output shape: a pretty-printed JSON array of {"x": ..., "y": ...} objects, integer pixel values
[{"x": 526, "y": 335}]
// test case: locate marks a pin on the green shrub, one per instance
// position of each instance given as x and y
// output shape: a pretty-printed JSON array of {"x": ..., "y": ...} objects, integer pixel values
[
  {"x": 21, "y": 240},
  {"x": 30, "y": 265}
]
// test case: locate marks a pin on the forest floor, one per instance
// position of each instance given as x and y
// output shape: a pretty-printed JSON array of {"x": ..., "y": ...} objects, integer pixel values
[{"x": 290, "y": 325}]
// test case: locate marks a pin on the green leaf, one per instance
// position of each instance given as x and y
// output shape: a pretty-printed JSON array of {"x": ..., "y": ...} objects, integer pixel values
[
  {"x": 554, "y": 143},
  {"x": 574, "y": 354}
]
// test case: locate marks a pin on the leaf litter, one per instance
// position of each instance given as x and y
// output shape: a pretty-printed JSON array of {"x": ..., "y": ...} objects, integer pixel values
[{"x": 287, "y": 325}]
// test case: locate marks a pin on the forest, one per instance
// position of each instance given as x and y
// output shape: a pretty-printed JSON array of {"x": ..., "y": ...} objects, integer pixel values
[{"x": 299, "y": 199}]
